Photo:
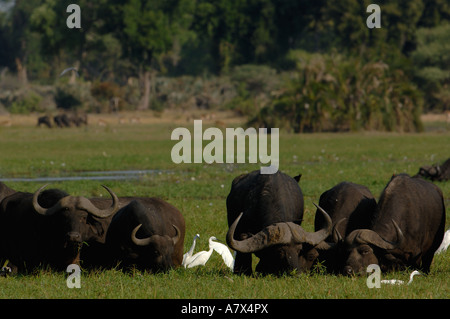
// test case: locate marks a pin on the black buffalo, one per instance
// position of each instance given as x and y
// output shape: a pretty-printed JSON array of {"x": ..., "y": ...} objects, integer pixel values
[
  {"x": 148, "y": 233},
  {"x": 435, "y": 172},
  {"x": 264, "y": 216},
  {"x": 407, "y": 229},
  {"x": 48, "y": 228},
  {"x": 351, "y": 206},
  {"x": 44, "y": 120},
  {"x": 62, "y": 120}
]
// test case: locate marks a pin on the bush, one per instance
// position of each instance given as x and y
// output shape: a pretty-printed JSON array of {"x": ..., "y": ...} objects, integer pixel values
[
  {"x": 25, "y": 104},
  {"x": 333, "y": 93}
]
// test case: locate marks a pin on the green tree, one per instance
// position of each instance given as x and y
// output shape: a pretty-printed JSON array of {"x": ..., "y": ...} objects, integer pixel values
[
  {"x": 150, "y": 33},
  {"x": 432, "y": 65}
]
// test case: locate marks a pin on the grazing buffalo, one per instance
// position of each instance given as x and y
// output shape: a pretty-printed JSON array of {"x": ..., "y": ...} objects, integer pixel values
[
  {"x": 48, "y": 227},
  {"x": 61, "y": 120},
  {"x": 435, "y": 172},
  {"x": 44, "y": 120},
  {"x": 264, "y": 216},
  {"x": 407, "y": 228},
  {"x": 351, "y": 206},
  {"x": 148, "y": 233}
]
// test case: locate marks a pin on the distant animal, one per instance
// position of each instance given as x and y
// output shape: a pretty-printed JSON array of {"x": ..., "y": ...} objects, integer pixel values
[
  {"x": 445, "y": 243},
  {"x": 148, "y": 233},
  {"x": 61, "y": 120},
  {"x": 351, "y": 206},
  {"x": 401, "y": 282},
  {"x": 188, "y": 255},
  {"x": 264, "y": 213},
  {"x": 407, "y": 229},
  {"x": 44, "y": 120},
  {"x": 48, "y": 227},
  {"x": 435, "y": 172},
  {"x": 67, "y": 119}
]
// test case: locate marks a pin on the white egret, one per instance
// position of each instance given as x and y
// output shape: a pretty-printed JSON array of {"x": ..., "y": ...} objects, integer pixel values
[
  {"x": 223, "y": 251},
  {"x": 200, "y": 258},
  {"x": 187, "y": 257},
  {"x": 401, "y": 282},
  {"x": 68, "y": 70},
  {"x": 445, "y": 243}
]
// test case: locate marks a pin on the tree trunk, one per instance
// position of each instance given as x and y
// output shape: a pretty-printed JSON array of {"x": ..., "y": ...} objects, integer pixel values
[
  {"x": 73, "y": 75},
  {"x": 21, "y": 72},
  {"x": 144, "y": 104}
]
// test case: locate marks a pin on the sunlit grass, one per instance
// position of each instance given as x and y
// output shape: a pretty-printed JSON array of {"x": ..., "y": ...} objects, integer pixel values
[{"x": 200, "y": 190}]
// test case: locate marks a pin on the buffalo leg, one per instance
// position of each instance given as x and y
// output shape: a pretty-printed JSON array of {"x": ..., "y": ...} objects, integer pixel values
[{"x": 243, "y": 264}]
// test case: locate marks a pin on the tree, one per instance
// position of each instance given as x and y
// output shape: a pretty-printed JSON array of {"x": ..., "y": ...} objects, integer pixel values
[
  {"x": 149, "y": 31},
  {"x": 432, "y": 65}
]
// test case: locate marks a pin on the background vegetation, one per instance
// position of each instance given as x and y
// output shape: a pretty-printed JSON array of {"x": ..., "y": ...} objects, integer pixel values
[{"x": 303, "y": 65}]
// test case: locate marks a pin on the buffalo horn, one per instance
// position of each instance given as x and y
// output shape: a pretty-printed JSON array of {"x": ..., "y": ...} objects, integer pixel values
[
  {"x": 87, "y": 205},
  {"x": 41, "y": 210},
  {"x": 371, "y": 237},
  {"x": 282, "y": 233},
  {"x": 302, "y": 236},
  {"x": 81, "y": 202},
  {"x": 146, "y": 241}
]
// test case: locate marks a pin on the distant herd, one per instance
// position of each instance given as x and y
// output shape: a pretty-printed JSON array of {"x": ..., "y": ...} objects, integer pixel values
[{"x": 50, "y": 228}]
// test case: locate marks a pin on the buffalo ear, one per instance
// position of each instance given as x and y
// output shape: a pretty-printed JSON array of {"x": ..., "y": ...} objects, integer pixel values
[{"x": 297, "y": 178}]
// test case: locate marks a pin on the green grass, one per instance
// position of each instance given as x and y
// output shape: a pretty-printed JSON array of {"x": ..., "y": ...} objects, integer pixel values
[{"x": 200, "y": 190}]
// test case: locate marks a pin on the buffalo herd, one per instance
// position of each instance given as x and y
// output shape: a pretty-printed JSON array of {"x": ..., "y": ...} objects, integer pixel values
[{"x": 352, "y": 229}]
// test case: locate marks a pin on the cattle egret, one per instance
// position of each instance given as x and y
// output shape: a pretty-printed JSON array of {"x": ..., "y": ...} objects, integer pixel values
[
  {"x": 200, "y": 258},
  {"x": 187, "y": 257},
  {"x": 68, "y": 70},
  {"x": 223, "y": 251},
  {"x": 445, "y": 243},
  {"x": 401, "y": 282}
]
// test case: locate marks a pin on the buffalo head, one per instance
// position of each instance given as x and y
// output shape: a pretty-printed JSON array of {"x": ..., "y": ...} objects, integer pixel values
[
  {"x": 73, "y": 219},
  {"x": 281, "y": 246},
  {"x": 365, "y": 247},
  {"x": 155, "y": 252}
]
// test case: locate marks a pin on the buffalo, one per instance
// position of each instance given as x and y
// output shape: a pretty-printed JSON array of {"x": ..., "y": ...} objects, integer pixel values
[
  {"x": 148, "y": 233},
  {"x": 351, "y": 206},
  {"x": 264, "y": 214},
  {"x": 407, "y": 228},
  {"x": 67, "y": 119},
  {"x": 48, "y": 227},
  {"x": 44, "y": 120},
  {"x": 435, "y": 172}
]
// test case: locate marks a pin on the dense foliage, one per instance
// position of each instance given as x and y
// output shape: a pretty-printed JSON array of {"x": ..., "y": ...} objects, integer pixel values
[{"x": 382, "y": 77}]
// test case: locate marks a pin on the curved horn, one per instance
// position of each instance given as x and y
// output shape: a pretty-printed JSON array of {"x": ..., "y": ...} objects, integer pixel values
[
  {"x": 279, "y": 233},
  {"x": 337, "y": 237},
  {"x": 102, "y": 213},
  {"x": 138, "y": 241},
  {"x": 41, "y": 210},
  {"x": 177, "y": 236},
  {"x": 302, "y": 236},
  {"x": 371, "y": 237}
]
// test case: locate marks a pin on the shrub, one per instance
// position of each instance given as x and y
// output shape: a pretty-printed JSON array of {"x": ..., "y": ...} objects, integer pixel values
[{"x": 333, "y": 93}]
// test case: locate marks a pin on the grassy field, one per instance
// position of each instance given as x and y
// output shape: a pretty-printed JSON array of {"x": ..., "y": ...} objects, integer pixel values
[{"x": 200, "y": 190}]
